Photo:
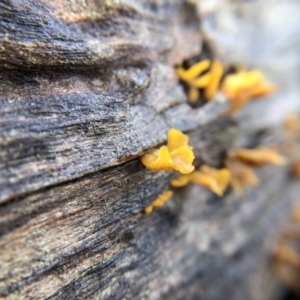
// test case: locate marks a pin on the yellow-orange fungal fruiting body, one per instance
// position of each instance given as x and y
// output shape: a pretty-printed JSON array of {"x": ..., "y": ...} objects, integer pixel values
[
  {"x": 241, "y": 174},
  {"x": 190, "y": 77},
  {"x": 205, "y": 180},
  {"x": 180, "y": 181},
  {"x": 221, "y": 176},
  {"x": 162, "y": 198},
  {"x": 209, "y": 81},
  {"x": 194, "y": 71},
  {"x": 243, "y": 86},
  {"x": 259, "y": 156},
  {"x": 287, "y": 254},
  {"x": 202, "y": 81},
  {"x": 213, "y": 179},
  {"x": 291, "y": 123},
  {"x": 241, "y": 161},
  {"x": 177, "y": 155},
  {"x": 193, "y": 94},
  {"x": 216, "y": 73},
  {"x": 148, "y": 209},
  {"x": 296, "y": 167},
  {"x": 291, "y": 126}
]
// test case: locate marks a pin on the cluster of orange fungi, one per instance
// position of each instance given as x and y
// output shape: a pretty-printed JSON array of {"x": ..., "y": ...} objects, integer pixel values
[
  {"x": 179, "y": 156},
  {"x": 291, "y": 126},
  {"x": 239, "y": 88},
  {"x": 239, "y": 164}
]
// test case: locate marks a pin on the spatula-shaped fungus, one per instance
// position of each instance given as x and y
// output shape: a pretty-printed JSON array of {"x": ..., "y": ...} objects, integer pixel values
[
  {"x": 241, "y": 163},
  {"x": 177, "y": 155},
  {"x": 216, "y": 73},
  {"x": 162, "y": 198},
  {"x": 209, "y": 81},
  {"x": 259, "y": 156},
  {"x": 194, "y": 71},
  {"x": 241, "y": 174},
  {"x": 296, "y": 167},
  {"x": 243, "y": 86},
  {"x": 213, "y": 179}
]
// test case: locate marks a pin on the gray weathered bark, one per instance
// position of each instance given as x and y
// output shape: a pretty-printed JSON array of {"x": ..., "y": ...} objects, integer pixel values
[{"x": 86, "y": 88}]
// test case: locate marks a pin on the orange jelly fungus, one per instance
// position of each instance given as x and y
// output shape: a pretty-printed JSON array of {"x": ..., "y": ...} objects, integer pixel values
[
  {"x": 296, "y": 167},
  {"x": 202, "y": 81},
  {"x": 162, "y": 198},
  {"x": 222, "y": 176},
  {"x": 199, "y": 178},
  {"x": 241, "y": 174},
  {"x": 287, "y": 254},
  {"x": 216, "y": 73},
  {"x": 209, "y": 81},
  {"x": 177, "y": 155},
  {"x": 241, "y": 161},
  {"x": 180, "y": 181},
  {"x": 243, "y": 86},
  {"x": 259, "y": 156},
  {"x": 213, "y": 179},
  {"x": 206, "y": 180},
  {"x": 194, "y": 71},
  {"x": 190, "y": 77},
  {"x": 291, "y": 125},
  {"x": 296, "y": 213},
  {"x": 193, "y": 94}
]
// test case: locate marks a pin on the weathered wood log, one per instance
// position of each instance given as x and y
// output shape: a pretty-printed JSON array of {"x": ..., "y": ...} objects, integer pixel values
[{"x": 86, "y": 88}]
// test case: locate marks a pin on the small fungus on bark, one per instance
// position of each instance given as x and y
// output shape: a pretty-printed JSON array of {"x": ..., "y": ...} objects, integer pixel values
[
  {"x": 177, "y": 155},
  {"x": 162, "y": 198},
  {"x": 243, "y": 86}
]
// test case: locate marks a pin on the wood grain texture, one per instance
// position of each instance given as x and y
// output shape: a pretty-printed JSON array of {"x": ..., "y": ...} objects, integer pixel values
[
  {"x": 74, "y": 82},
  {"x": 86, "y": 87}
]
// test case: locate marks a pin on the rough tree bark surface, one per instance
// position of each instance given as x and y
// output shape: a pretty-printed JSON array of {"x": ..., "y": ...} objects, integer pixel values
[{"x": 86, "y": 87}]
